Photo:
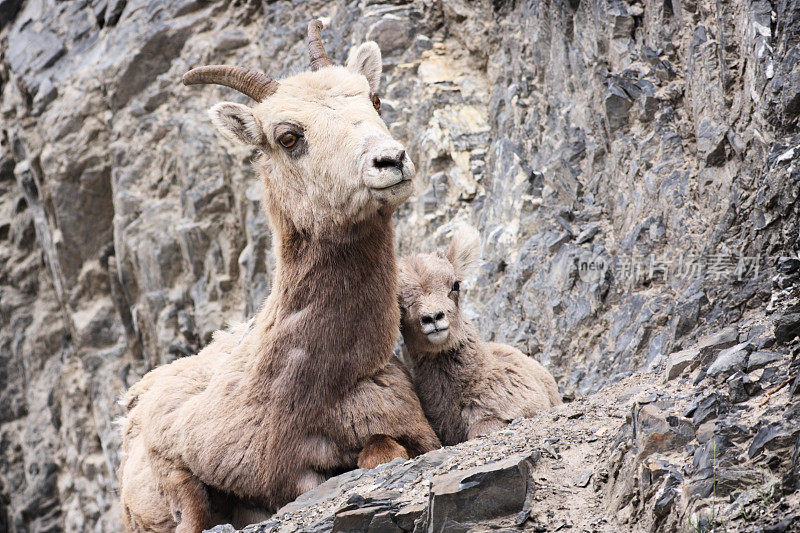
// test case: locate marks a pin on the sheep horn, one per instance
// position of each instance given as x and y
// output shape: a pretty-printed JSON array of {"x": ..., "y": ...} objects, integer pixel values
[
  {"x": 316, "y": 52},
  {"x": 254, "y": 84}
]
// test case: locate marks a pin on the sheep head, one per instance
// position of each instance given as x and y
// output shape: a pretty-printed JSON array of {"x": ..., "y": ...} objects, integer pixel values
[
  {"x": 429, "y": 294},
  {"x": 327, "y": 159}
]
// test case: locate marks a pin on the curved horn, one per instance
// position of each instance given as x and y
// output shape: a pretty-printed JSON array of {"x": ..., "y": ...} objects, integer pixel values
[
  {"x": 316, "y": 52},
  {"x": 254, "y": 84}
]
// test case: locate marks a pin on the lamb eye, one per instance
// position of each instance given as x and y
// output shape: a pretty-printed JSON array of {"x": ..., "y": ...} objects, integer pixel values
[
  {"x": 456, "y": 287},
  {"x": 288, "y": 140},
  {"x": 376, "y": 102}
]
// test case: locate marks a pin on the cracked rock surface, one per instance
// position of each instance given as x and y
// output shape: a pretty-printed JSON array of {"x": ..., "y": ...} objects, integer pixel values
[{"x": 633, "y": 167}]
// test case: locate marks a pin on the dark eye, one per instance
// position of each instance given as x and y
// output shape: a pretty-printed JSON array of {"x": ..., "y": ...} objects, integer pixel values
[
  {"x": 456, "y": 287},
  {"x": 288, "y": 140},
  {"x": 376, "y": 102}
]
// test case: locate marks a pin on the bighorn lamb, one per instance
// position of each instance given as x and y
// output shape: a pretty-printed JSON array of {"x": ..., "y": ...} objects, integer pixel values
[
  {"x": 310, "y": 388},
  {"x": 467, "y": 387}
]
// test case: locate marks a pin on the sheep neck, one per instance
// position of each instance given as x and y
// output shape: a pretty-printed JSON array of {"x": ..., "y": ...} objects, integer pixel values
[
  {"x": 331, "y": 318},
  {"x": 466, "y": 355}
]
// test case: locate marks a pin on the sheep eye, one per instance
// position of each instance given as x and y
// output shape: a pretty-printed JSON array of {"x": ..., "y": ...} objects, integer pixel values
[
  {"x": 288, "y": 140},
  {"x": 376, "y": 102},
  {"x": 456, "y": 287}
]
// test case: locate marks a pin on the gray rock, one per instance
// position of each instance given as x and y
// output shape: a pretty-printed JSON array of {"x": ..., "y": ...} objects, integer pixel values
[
  {"x": 730, "y": 360},
  {"x": 230, "y": 39},
  {"x": 587, "y": 234},
  {"x": 788, "y": 265},
  {"x": 360, "y": 519},
  {"x": 678, "y": 362},
  {"x": 741, "y": 387},
  {"x": 408, "y": 515},
  {"x": 712, "y": 344},
  {"x": 762, "y": 358},
  {"x": 658, "y": 431},
  {"x": 666, "y": 495},
  {"x": 787, "y": 327},
  {"x": 617, "y": 103},
  {"x": 30, "y": 50},
  {"x": 113, "y": 12},
  {"x": 9, "y": 10},
  {"x": 583, "y": 479},
  {"x": 705, "y": 407},
  {"x": 490, "y": 491},
  {"x": 772, "y": 436}
]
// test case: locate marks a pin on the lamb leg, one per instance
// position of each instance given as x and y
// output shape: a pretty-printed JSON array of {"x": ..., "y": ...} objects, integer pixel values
[{"x": 380, "y": 449}]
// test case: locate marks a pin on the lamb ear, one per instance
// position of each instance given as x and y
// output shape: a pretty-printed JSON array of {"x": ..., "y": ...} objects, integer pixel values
[
  {"x": 464, "y": 251},
  {"x": 366, "y": 60},
  {"x": 237, "y": 123}
]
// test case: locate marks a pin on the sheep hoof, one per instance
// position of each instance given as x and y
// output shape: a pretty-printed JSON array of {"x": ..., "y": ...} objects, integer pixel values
[{"x": 380, "y": 449}]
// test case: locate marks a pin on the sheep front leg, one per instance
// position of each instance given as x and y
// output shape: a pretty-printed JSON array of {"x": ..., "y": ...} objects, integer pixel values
[
  {"x": 380, "y": 449},
  {"x": 188, "y": 502},
  {"x": 485, "y": 426}
]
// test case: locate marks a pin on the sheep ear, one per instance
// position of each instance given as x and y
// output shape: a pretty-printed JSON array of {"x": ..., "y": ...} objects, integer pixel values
[
  {"x": 366, "y": 60},
  {"x": 464, "y": 251},
  {"x": 237, "y": 123}
]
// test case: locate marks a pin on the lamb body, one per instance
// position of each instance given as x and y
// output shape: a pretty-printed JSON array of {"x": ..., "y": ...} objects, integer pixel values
[{"x": 467, "y": 387}]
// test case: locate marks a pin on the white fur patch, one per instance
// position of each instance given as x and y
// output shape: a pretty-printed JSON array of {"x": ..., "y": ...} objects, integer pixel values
[
  {"x": 119, "y": 423},
  {"x": 366, "y": 60},
  {"x": 237, "y": 123}
]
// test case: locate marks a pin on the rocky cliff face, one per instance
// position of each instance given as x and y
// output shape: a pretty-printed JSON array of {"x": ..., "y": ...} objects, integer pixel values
[{"x": 632, "y": 166}]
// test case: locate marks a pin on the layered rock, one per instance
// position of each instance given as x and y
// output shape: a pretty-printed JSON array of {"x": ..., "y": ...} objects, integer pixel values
[{"x": 632, "y": 167}]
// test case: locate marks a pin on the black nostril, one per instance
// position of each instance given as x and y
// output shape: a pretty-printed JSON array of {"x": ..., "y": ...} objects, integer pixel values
[
  {"x": 427, "y": 319},
  {"x": 439, "y": 316},
  {"x": 388, "y": 162}
]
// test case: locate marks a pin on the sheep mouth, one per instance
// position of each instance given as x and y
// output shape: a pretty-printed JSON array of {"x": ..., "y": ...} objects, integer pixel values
[
  {"x": 438, "y": 336},
  {"x": 390, "y": 178},
  {"x": 390, "y": 185}
]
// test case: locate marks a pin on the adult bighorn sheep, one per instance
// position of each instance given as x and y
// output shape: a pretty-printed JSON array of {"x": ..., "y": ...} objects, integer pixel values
[
  {"x": 310, "y": 388},
  {"x": 467, "y": 387}
]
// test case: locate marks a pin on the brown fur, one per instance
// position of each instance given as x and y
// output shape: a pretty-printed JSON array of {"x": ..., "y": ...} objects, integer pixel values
[
  {"x": 467, "y": 387},
  {"x": 268, "y": 411},
  {"x": 380, "y": 449}
]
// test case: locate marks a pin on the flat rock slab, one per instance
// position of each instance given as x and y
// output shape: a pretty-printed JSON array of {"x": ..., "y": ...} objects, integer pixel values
[
  {"x": 480, "y": 493},
  {"x": 422, "y": 494}
]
